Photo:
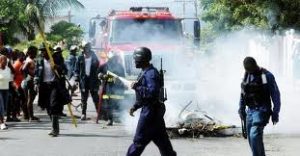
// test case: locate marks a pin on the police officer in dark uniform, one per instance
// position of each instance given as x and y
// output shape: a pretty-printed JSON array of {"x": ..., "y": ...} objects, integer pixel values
[
  {"x": 151, "y": 124},
  {"x": 48, "y": 81},
  {"x": 114, "y": 88},
  {"x": 259, "y": 88}
]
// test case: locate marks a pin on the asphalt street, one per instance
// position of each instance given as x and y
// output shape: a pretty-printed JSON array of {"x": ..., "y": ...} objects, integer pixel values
[{"x": 90, "y": 139}]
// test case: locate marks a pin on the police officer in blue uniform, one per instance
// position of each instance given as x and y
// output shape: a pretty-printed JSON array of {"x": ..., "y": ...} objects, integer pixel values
[
  {"x": 151, "y": 124},
  {"x": 259, "y": 88}
]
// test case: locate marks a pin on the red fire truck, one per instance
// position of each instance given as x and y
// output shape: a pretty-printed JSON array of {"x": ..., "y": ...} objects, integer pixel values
[
  {"x": 158, "y": 29},
  {"x": 154, "y": 27}
]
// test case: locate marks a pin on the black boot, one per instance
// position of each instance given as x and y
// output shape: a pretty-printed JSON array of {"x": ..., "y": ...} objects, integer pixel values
[
  {"x": 109, "y": 123},
  {"x": 55, "y": 126},
  {"x": 110, "y": 117},
  {"x": 84, "y": 107}
]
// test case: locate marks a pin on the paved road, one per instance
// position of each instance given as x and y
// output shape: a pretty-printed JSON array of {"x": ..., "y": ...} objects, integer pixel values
[{"x": 89, "y": 139}]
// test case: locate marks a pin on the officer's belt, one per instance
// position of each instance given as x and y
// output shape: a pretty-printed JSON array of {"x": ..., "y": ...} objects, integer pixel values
[{"x": 118, "y": 97}]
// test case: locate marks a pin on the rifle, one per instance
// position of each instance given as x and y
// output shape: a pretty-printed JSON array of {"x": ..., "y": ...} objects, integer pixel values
[
  {"x": 162, "y": 91},
  {"x": 244, "y": 131}
]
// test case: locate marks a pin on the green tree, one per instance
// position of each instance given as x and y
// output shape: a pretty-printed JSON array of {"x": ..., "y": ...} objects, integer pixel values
[
  {"x": 229, "y": 15},
  {"x": 63, "y": 30},
  {"x": 11, "y": 18},
  {"x": 25, "y": 16},
  {"x": 38, "y": 10}
]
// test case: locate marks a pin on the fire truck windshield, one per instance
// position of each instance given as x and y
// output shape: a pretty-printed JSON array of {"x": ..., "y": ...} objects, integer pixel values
[{"x": 145, "y": 30}]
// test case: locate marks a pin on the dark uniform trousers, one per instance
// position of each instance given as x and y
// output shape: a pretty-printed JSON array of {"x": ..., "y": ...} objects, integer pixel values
[
  {"x": 85, "y": 90},
  {"x": 151, "y": 127},
  {"x": 109, "y": 106}
]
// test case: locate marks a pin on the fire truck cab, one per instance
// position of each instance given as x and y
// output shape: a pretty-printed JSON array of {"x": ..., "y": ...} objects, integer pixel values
[{"x": 124, "y": 30}]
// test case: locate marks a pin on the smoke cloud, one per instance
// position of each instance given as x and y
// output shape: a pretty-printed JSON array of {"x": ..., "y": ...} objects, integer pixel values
[
  {"x": 211, "y": 81},
  {"x": 221, "y": 72}
]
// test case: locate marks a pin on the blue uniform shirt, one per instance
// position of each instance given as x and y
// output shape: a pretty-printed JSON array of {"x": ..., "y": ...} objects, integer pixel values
[
  {"x": 147, "y": 90},
  {"x": 273, "y": 90}
]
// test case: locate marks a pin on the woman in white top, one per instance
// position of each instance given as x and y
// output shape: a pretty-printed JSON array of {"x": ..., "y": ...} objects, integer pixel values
[{"x": 5, "y": 77}]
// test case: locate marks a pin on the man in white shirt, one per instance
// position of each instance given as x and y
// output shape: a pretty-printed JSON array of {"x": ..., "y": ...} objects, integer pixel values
[
  {"x": 47, "y": 80},
  {"x": 86, "y": 73}
]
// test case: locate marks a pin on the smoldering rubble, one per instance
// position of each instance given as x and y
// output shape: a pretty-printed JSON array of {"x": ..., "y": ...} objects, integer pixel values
[{"x": 198, "y": 124}]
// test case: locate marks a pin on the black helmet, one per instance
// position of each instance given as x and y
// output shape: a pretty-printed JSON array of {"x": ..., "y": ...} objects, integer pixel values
[{"x": 142, "y": 54}]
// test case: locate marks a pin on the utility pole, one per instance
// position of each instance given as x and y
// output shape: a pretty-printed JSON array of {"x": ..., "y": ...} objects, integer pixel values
[
  {"x": 184, "y": 3},
  {"x": 69, "y": 16},
  {"x": 196, "y": 8}
]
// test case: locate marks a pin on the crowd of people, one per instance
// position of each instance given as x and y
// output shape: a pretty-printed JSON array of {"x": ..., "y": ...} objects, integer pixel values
[
  {"x": 33, "y": 73},
  {"x": 19, "y": 83}
]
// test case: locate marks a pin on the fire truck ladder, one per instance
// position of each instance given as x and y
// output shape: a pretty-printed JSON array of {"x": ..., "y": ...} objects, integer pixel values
[{"x": 149, "y": 9}]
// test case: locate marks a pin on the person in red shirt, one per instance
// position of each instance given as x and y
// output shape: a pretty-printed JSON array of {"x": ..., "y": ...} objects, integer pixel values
[
  {"x": 19, "y": 96},
  {"x": 19, "y": 76}
]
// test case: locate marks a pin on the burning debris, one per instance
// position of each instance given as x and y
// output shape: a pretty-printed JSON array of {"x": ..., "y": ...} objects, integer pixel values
[{"x": 198, "y": 124}]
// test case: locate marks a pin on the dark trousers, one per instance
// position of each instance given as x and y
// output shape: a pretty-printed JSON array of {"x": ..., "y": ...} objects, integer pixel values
[
  {"x": 107, "y": 108},
  {"x": 62, "y": 106},
  {"x": 3, "y": 102},
  {"x": 110, "y": 106},
  {"x": 151, "y": 127},
  {"x": 55, "y": 123},
  {"x": 85, "y": 94},
  {"x": 10, "y": 105},
  {"x": 18, "y": 100},
  {"x": 48, "y": 98},
  {"x": 49, "y": 94},
  {"x": 14, "y": 101}
]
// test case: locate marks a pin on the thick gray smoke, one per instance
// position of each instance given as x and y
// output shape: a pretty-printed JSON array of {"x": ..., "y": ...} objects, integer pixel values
[
  {"x": 215, "y": 79},
  {"x": 221, "y": 73}
]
